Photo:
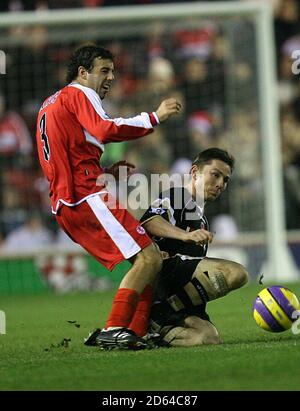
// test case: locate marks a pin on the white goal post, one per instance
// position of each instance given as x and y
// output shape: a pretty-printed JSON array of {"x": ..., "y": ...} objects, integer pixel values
[{"x": 279, "y": 265}]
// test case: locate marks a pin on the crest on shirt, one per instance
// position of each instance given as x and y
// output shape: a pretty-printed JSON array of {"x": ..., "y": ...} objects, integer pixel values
[{"x": 140, "y": 229}]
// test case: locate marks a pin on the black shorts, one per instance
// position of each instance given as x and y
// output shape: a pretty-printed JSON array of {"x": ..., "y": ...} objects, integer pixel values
[{"x": 175, "y": 273}]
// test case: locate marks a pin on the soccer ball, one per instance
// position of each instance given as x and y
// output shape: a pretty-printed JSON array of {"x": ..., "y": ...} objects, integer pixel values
[{"x": 275, "y": 309}]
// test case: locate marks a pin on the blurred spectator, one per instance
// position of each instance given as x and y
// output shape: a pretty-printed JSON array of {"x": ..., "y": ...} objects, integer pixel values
[
  {"x": 224, "y": 228},
  {"x": 29, "y": 237},
  {"x": 127, "y": 66},
  {"x": 182, "y": 166},
  {"x": 158, "y": 158},
  {"x": 14, "y": 135},
  {"x": 161, "y": 83},
  {"x": 194, "y": 41},
  {"x": 161, "y": 75},
  {"x": 156, "y": 40},
  {"x": 201, "y": 131},
  {"x": 15, "y": 165},
  {"x": 194, "y": 85},
  {"x": 13, "y": 211},
  {"x": 244, "y": 126}
]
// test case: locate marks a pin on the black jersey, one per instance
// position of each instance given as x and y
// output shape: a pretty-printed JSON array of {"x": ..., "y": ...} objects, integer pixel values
[{"x": 178, "y": 208}]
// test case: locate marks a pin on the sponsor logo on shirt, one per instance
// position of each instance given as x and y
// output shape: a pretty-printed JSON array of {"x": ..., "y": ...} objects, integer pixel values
[{"x": 157, "y": 210}]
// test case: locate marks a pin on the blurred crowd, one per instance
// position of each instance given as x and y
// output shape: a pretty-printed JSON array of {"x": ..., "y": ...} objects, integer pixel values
[
  {"x": 17, "y": 5},
  {"x": 191, "y": 64}
]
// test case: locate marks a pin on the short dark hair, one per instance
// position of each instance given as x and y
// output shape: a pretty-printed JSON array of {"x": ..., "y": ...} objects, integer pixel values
[
  {"x": 84, "y": 56},
  {"x": 214, "y": 153}
]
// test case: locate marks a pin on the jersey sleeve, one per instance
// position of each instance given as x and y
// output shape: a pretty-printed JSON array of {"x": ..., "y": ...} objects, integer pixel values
[{"x": 87, "y": 107}]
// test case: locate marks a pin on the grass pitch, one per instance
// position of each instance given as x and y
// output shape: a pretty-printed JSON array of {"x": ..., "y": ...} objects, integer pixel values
[{"x": 43, "y": 350}]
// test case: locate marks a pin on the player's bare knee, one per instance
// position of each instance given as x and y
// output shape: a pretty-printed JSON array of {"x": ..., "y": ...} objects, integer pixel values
[
  {"x": 210, "y": 281},
  {"x": 243, "y": 275},
  {"x": 151, "y": 258},
  {"x": 238, "y": 276}
]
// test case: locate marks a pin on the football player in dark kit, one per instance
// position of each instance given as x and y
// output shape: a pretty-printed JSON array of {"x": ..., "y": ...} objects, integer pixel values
[{"x": 189, "y": 279}]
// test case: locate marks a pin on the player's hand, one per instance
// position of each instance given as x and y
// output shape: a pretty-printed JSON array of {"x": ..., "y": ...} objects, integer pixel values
[
  {"x": 167, "y": 108},
  {"x": 124, "y": 173},
  {"x": 198, "y": 237}
]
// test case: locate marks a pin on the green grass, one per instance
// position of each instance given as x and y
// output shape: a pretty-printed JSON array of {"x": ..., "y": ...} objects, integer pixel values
[{"x": 31, "y": 357}]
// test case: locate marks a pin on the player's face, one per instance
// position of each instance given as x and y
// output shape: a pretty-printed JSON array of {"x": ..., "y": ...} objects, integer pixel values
[
  {"x": 215, "y": 178},
  {"x": 101, "y": 76}
]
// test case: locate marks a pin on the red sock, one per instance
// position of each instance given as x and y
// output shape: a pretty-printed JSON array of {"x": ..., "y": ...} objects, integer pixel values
[
  {"x": 139, "y": 323},
  {"x": 123, "y": 308}
]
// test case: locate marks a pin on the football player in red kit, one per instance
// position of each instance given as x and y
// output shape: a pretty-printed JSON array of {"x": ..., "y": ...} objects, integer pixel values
[{"x": 72, "y": 131}]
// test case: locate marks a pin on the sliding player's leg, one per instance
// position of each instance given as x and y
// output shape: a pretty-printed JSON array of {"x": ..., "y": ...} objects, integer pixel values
[
  {"x": 219, "y": 272},
  {"x": 213, "y": 278},
  {"x": 189, "y": 285}
]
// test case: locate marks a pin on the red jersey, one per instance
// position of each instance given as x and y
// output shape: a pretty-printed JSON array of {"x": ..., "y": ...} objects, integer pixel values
[{"x": 72, "y": 130}]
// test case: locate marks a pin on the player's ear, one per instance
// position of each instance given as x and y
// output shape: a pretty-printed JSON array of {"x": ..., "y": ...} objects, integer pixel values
[
  {"x": 82, "y": 72},
  {"x": 193, "y": 172}
]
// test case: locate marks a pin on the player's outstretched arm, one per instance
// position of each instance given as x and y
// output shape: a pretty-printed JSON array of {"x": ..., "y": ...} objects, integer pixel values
[
  {"x": 159, "y": 227},
  {"x": 168, "y": 108}
]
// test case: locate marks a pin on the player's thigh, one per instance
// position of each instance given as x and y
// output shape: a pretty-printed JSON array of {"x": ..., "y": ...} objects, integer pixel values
[
  {"x": 234, "y": 273},
  {"x": 195, "y": 331},
  {"x": 145, "y": 267},
  {"x": 149, "y": 257}
]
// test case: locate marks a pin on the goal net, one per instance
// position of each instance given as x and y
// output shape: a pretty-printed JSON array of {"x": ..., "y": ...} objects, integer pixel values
[{"x": 216, "y": 58}]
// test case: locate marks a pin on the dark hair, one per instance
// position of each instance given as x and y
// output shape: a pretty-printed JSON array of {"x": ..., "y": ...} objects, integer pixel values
[
  {"x": 84, "y": 56},
  {"x": 214, "y": 153}
]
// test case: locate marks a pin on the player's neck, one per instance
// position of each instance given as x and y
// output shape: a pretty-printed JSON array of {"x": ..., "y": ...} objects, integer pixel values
[
  {"x": 82, "y": 82},
  {"x": 192, "y": 191}
]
